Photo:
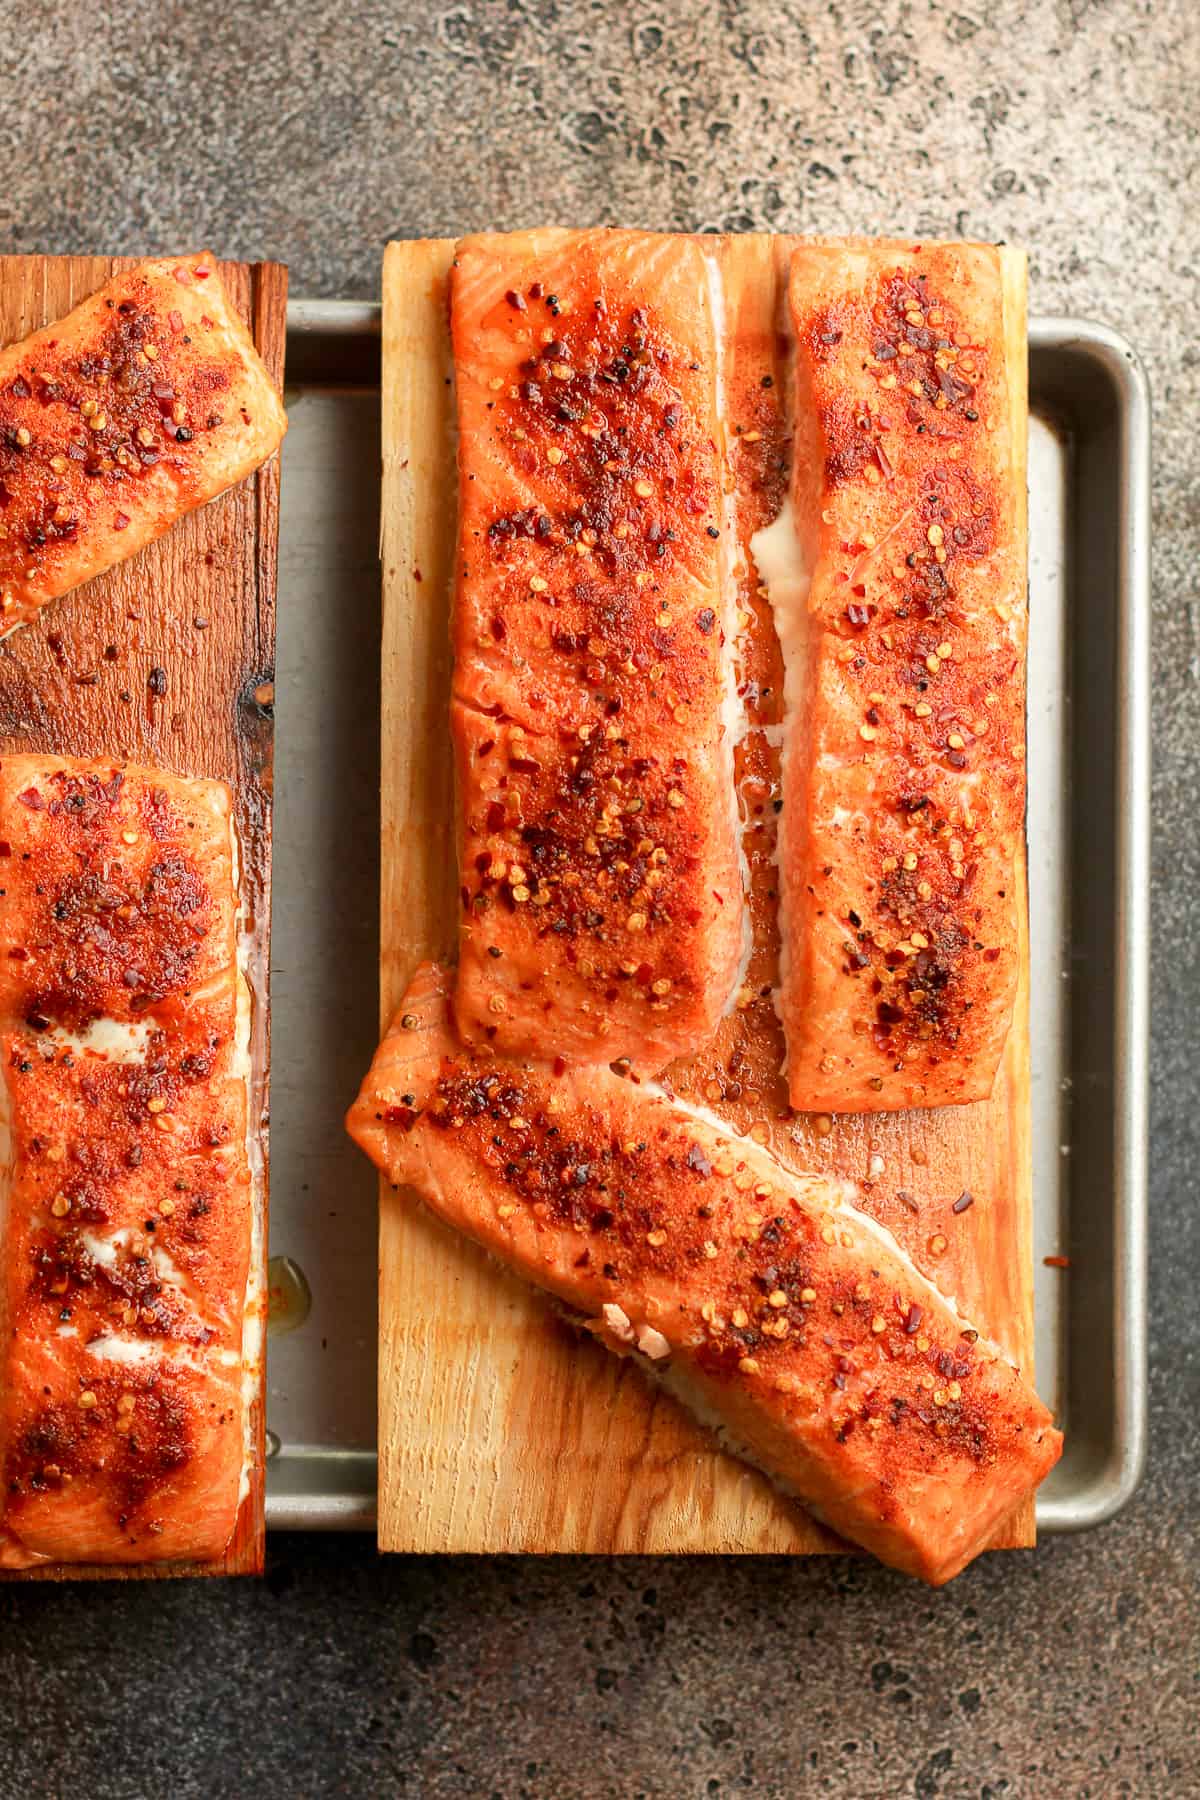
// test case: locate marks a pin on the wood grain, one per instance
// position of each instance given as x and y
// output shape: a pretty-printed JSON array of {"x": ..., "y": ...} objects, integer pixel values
[
  {"x": 500, "y": 1429},
  {"x": 169, "y": 659}
]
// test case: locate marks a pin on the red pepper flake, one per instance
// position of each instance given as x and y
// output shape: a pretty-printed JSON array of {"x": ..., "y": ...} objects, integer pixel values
[
  {"x": 175, "y": 321},
  {"x": 206, "y": 321},
  {"x": 912, "y": 1320},
  {"x": 120, "y": 521},
  {"x": 203, "y": 274},
  {"x": 964, "y": 1200},
  {"x": 560, "y": 1065},
  {"x": 1057, "y": 1262},
  {"x": 183, "y": 277},
  {"x": 32, "y": 799},
  {"x": 516, "y": 301},
  {"x": 404, "y": 1116},
  {"x": 157, "y": 682}
]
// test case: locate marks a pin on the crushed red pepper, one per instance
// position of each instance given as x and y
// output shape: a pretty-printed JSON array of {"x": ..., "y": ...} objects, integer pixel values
[
  {"x": 598, "y": 850},
  {"x": 902, "y": 869},
  {"x": 127, "y": 1251}
]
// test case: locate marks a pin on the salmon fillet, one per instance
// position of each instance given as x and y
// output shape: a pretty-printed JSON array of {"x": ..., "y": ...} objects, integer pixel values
[
  {"x": 129, "y": 1311},
  {"x": 897, "y": 576},
  {"x": 601, "y": 887},
  {"x": 146, "y": 401},
  {"x": 765, "y": 1300}
]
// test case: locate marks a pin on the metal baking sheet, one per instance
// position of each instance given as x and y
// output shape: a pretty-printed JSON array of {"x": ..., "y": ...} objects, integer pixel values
[{"x": 1089, "y": 862}]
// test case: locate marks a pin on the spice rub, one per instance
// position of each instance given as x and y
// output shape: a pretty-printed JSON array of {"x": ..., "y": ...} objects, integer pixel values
[
  {"x": 897, "y": 575},
  {"x": 593, "y": 710},
  {"x": 128, "y": 1245}
]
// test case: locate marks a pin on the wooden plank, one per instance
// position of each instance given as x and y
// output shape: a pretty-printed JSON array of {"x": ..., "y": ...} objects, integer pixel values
[
  {"x": 500, "y": 1429},
  {"x": 170, "y": 659}
]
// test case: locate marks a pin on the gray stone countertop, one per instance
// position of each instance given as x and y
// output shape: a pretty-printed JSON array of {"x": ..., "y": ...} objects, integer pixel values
[{"x": 313, "y": 134}]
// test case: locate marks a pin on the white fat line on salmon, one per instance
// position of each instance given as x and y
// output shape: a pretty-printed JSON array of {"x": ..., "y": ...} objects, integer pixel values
[
  {"x": 254, "y": 1298},
  {"x": 115, "y": 1348},
  {"x": 123, "y": 1350},
  {"x": 115, "y": 1040},
  {"x": 7, "y": 1173},
  {"x": 104, "y": 1251},
  {"x": 167, "y": 1270},
  {"x": 734, "y": 717},
  {"x": 843, "y": 1198}
]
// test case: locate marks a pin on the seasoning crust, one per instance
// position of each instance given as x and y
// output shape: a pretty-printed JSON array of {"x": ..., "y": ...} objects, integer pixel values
[
  {"x": 904, "y": 751},
  {"x": 601, "y": 891},
  {"x": 126, "y": 1238}
]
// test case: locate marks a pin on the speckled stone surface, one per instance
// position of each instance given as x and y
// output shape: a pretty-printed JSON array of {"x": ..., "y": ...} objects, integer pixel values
[{"x": 313, "y": 134}]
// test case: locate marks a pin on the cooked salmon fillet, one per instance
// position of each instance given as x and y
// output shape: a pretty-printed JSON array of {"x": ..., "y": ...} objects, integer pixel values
[
  {"x": 128, "y": 1299},
  {"x": 766, "y": 1300},
  {"x": 601, "y": 888},
  {"x": 897, "y": 575},
  {"x": 144, "y": 402}
]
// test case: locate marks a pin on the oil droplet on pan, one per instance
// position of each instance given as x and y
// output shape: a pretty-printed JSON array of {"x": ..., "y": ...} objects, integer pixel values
[{"x": 289, "y": 1297}]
